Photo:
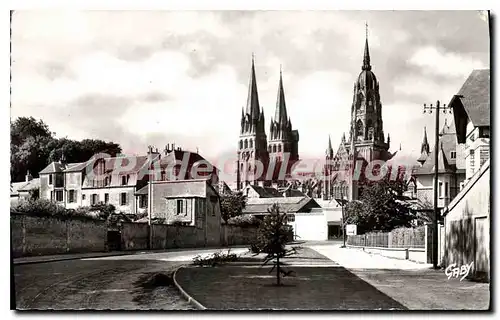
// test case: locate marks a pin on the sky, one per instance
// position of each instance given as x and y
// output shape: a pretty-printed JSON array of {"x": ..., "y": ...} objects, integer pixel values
[{"x": 142, "y": 78}]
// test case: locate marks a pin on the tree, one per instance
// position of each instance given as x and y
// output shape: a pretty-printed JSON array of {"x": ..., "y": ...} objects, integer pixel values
[
  {"x": 33, "y": 146},
  {"x": 379, "y": 209},
  {"x": 232, "y": 205},
  {"x": 273, "y": 236}
]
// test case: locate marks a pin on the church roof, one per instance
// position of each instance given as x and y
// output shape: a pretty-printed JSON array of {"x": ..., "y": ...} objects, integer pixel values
[
  {"x": 280, "y": 115},
  {"x": 252, "y": 107}
]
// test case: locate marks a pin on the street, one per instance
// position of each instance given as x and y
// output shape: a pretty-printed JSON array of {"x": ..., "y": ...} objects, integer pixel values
[
  {"x": 121, "y": 282},
  {"x": 141, "y": 281}
]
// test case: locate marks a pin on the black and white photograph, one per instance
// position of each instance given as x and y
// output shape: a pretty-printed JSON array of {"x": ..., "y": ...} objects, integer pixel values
[{"x": 291, "y": 160}]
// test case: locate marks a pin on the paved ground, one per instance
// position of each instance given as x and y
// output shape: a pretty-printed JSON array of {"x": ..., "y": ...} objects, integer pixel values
[
  {"x": 416, "y": 286},
  {"x": 123, "y": 282},
  {"x": 317, "y": 284}
]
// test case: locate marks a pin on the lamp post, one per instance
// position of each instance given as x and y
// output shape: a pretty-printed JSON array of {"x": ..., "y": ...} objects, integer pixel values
[{"x": 437, "y": 108}]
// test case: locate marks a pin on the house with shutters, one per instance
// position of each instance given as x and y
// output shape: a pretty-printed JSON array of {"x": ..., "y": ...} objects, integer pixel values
[{"x": 119, "y": 180}]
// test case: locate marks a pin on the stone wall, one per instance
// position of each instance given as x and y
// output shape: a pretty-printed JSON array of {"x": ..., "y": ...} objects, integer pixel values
[
  {"x": 45, "y": 235},
  {"x": 234, "y": 235}
]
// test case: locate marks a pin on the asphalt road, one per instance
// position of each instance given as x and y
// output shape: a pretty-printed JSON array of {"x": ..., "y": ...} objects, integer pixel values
[{"x": 135, "y": 282}]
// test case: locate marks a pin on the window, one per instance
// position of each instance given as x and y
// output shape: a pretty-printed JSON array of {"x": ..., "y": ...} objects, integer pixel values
[
  {"x": 251, "y": 143},
  {"x": 279, "y": 148},
  {"x": 106, "y": 197},
  {"x": 274, "y": 148},
  {"x": 246, "y": 144},
  {"x": 93, "y": 200},
  {"x": 213, "y": 200},
  {"x": 453, "y": 154},
  {"x": 124, "y": 180},
  {"x": 123, "y": 198},
  {"x": 291, "y": 218},
  {"x": 143, "y": 202},
  {"x": 83, "y": 197},
  {"x": 472, "y": 162},
  {"x": 106, "y": 181},
  {"x": 241, "y": 144},
  {"x": 71, "y": 196},
  {"x": 59, "y": 195},
  {"x": 180, "y": 206},
  {"x": 359, "y": 129},
  {"x": 446, "y": 189},
  {"x": 440, "y": 189},
  {"x": 50, "y": 179}
]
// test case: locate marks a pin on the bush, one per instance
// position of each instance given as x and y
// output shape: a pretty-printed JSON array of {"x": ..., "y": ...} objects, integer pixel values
[
  {"x": 47, "y": 208},
  {"x": 216, "y": 258},
  {"x": 246, "y": 220}
]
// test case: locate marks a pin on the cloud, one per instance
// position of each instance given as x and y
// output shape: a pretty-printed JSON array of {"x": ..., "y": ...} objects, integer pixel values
[
  {"x": 434, "y": 61},
  {"x": 155, "y": 77}
]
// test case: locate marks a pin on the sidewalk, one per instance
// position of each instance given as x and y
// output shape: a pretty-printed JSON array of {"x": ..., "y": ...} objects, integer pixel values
[
  {"x": 416, "y": 286},
  {"x": 354, "y": 258},
  {"x": 89, "y": 255}
]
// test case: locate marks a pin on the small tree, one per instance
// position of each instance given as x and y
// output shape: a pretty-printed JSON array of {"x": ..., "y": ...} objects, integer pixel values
[
  {"x": 232, "y": 205},
  {"x": 273, "y": 235}
]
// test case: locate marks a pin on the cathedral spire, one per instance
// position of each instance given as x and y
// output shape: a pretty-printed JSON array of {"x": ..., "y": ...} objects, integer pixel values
[
  {"x": 253, "y": 106},
  {"x": 366, "y": 56},
  {"x": 329, "y": 151},
  {"x": 425, "y": 144},
  {"x": 280, "y": 115}
]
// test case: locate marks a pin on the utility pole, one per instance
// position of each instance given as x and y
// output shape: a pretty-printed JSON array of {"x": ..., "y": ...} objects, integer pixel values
[{"x": 435, "y": 240}]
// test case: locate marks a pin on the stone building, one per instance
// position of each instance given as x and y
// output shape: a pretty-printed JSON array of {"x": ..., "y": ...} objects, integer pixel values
[
  {"x": 117, "y": 180},
  {"x": 24, "y": 190},
  {"x": 366, "y": 141},
  {"x": 258, "y": 161},
  {"x": 192, "y": 202}
]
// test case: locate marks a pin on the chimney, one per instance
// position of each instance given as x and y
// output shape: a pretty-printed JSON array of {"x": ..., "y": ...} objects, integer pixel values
[{"x": 29, "y": 177}]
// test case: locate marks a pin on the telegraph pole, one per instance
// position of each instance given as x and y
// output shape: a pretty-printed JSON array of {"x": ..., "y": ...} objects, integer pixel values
[{"x": 437, "y": 108}]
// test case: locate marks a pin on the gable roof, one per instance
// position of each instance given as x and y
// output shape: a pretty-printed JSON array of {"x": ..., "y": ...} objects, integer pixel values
[
  {"x": 472, "y": 102},
  {"x": 475, "y": 97},
  {"x": 289, "y": 204},
  {"x": 16, "y": 187},
  {"x": 53, "y": 168}
]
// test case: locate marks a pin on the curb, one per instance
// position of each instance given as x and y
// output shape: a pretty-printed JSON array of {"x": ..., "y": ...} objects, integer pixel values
[
  {"x": 68, "y": 258},
  {"x": 190, "y": 299}
]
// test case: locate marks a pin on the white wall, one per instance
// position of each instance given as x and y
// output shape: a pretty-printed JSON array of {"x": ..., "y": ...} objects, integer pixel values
[{"x": 310, "y": 226}]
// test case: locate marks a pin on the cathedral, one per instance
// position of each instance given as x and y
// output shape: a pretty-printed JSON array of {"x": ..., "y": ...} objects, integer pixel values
[
  {"x": 260, "y": 162},
  {"x": 366, "y": 141}
]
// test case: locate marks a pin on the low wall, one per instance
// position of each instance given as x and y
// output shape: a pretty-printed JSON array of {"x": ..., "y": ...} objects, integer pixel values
[
  {"x": 235, "y": 235},
  {"x": 135, "y": 236},
  {"x": 412, "y": 254},
  {"x": 31, "y": 236}
]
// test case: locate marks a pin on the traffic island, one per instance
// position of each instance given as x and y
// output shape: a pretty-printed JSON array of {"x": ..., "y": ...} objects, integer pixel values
[{"x": 316, "y": 283}]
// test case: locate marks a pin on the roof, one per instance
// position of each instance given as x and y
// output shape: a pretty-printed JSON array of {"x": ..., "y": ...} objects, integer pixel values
[
  {"x": 24, "y": 186},
  {"x": 475, "y": 97},
  {"x": 53, "y": 168},
  {"x": 136, "y": 163},
  {"x": 289, "y": 204},
  {"x": 177, "y": 189},
  {"x": 74, "y": 167},
  {"x": 265, "y": 192},
  {"x": 448, "y": 143}
]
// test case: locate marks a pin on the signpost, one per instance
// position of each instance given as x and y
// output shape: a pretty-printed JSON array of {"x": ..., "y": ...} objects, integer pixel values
[{"x": 351, "y": 229}]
